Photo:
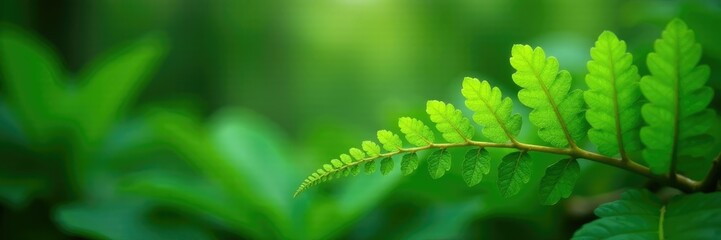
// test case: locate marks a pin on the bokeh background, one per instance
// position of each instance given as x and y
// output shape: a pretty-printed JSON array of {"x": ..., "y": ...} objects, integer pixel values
[{"x": 172, "y": 119}]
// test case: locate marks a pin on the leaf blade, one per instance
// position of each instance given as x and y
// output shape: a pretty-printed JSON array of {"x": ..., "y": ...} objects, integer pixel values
[
  {"x": 476, "y": 164},
  {"x": 559, "y": 180},
  {"x": 513, "y": 172}
]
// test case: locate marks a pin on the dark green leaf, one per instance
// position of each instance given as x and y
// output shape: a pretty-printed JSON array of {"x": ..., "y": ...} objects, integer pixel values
[
  {"x": 438, "y": 163},
  {"x": 476, "y": 164},
  {"x": 409, "y": 163},
  {"x": 559, "y": 181},
  {"x": 513, "y": 172}
]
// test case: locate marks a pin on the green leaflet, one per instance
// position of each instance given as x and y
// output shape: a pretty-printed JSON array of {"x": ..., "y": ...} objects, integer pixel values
[
  {"x": 438, "y": 163},
  {"x": 613, "y": 97},
  {"x": 492, "y": 111},
  {"x": 409, "y": 163},
  {"x": 371, "y": 148},
  {"x": 391, "y": 141},
  {"x": 370, "y": 167},
  {"x": 676, "y": 114},
  {"x": 640, "y": 214},
  {"x": 386, "y": 166},
  {"x": 417, "y": 133},
  {"x": 546, "y": 90},
  {"x": 559, "y": 181},
  {"x": 357, "y": 154},
  {"x": 476, "y": 164},
  {"x": 450, "y": 121},
  {"x": 513, "y": 172}
]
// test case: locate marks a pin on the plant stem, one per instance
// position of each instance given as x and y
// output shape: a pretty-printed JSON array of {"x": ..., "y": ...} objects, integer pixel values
[
  {"x": 681, "y": 182},
  {"x": 710, "y": 183}
]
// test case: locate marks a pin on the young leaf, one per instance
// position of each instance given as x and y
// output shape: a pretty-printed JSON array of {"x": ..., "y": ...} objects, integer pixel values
[
  {"x": 677, "y": 110},
  {"x": 642, "y": 215},
  {"x": 546, "y": 90},
  {"x": 513, "y": 172},
  {"x": 386, "y": 166},
  {"x": 559, "y": 181},
  {"x": 438, "y": 163},
  {"x": 476, "y": 164},
  {"x": 491, "y": 110},
  {"x": 391, "y": 141},
  {"x": 371, "y": 148},
  {"x": 613, "y": 97},
  {"x": 346, "y": 159},
  {"x": 370, "y": 167},
  {"x": 409, "y": 163},
  {"x": 449, "y": 121},
  {"x": 357, "y": 154},
  {"x": 416, "y": 132}
]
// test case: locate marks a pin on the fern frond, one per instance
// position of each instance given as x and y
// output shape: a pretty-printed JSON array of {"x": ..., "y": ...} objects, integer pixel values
[
  {"x": 677, "y": 113},
  {"x": 492, "y": 111},
  {"x": 613, "y": 97},
  {"x": 546, "y": 90},
  {"x": 559, "y": 114}
]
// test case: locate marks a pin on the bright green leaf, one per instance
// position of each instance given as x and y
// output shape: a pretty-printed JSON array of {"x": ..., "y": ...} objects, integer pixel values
[
  {"x": 450, "y": 121},
  {"x": 613, "y": 97},
  {"x": 492, "y": 111},
  {"x": 371, "y": 148},
  {"x": 357, "y": 154},
  {"x": 417, "y": 133},
  {"x": 641, "y": 215},
  {"x": 391, "y": 141},
  {"x": 476, "y": 164},
  {"x": 438, "y": 163},
  {"x": 513, "y": 172},
  {"x": 409, "y": 163},
  {"x": 677, "y": 110},
  {"x": 558, "y": 113},
  {"x": 559, "y": 181},
  {"x": 345, "y": 158}
]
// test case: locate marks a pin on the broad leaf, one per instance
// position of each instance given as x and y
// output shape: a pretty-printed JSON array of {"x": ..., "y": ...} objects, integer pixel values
[
  {"x": 371, "y": 148},
  {"x": 613, "y": 97},
  {"x": 438, "y": 163},
  {"x": 450, "y": 121},
  {"x": 493, "y": 112},
  {"x": 370, "y": 167},
  {"x": 513, "y": 172},
  {"x": 558, "y": 113},
  {"x": 641, "y": 215},
  {"x": 476, "y": 164},
  {"x": 417, "y": 133},
  {"x": 677, "y": 111},
  {"x": 409, "y": 163},
  {"x": 559, "y": 181}
]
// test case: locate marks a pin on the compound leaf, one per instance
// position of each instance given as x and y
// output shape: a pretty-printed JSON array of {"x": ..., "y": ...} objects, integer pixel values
[
  {"x": 559, "y": 181},
  {"x": 492, "y": 111},
  {"x": 677, "y": 109},
  {"x": 641, "y": 215},
  {"x": 450, "y": 121},
  {"x": 558, "y": 113},
  {"x": 476, "y": 164},
  {"x": 513, "y": 172},
  {"x": 613, "y": 97}
]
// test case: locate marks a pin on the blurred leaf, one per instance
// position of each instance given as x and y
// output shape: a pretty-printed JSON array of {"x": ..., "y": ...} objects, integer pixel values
[
  {"x": 34, "y": 81},
  {"x": 122, "y": 219},
  {"x": 386, "y": 165},
  {"x": 108, "y": 84},
  {"x": 409, "y": 163},
  {"x": 639, "y": 212}
]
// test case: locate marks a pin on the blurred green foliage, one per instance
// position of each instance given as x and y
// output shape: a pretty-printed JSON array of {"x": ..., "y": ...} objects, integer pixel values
[{"x": 192, "y": 119}]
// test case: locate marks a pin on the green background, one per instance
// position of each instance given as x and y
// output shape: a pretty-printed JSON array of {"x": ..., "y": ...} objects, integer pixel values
[{"x": 177, "y": 119}]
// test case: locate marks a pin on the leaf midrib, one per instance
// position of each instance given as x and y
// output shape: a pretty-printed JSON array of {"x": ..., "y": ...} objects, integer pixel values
[
  {"x": 677, "y": 89},
  {"x": 551, "y": 101},
  {"x": 617, "y": 120},
  {"x": 495, "y": 115}
]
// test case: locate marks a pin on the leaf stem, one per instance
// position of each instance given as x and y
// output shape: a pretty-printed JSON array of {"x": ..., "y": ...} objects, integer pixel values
[
  {"x": 682, "y": 183},
  {"x": 710, "y": 183}
]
